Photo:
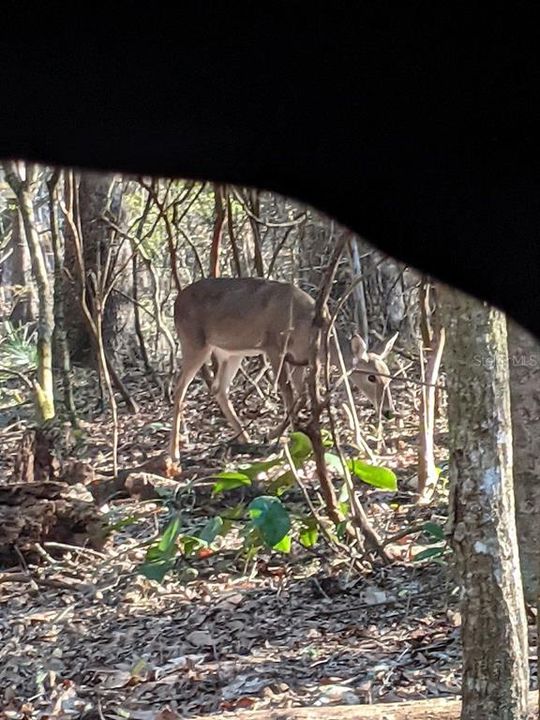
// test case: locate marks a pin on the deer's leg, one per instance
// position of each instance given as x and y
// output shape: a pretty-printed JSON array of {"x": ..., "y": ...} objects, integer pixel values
[
  {"x": 225, "y": 375},
  {"x": 191, "y": 363}
]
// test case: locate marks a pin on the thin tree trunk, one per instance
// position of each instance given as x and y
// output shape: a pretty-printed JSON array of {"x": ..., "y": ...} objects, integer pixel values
[
  {"x": 219, "y": 219},
  {"x": 137, "y": 311},
  {"x": 257, "y": 251},
  {"x": 427, "y": 469},
  {"x": 482, "y": 523},
  {"x": 23, "y": 306},
  {"x": 232, "y": 236},
  {"x": 59, "y": 334},
  {"x": 433, "y": 338},
  {"x": 22, "y": 189}
]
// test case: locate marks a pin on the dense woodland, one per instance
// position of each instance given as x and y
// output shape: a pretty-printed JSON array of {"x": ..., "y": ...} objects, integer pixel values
[{"x": 353, "y": 559}]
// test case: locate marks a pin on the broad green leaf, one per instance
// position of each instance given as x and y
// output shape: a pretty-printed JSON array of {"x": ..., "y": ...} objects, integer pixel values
[
  {"x": 211, "y": 530},
  {"x": 270, "y": 518},
  {"x": 282, "y": 483},
  {"x": 380, "y": 477},
  {"x": 154, "y": 554},
  {"x": 156, "y": 570},
  {"x": 191, "y": 543},
  {"x": 168, "y": 539},
  {"x": 284, "y": 545},
  {"x": 432, "y": 552},
  {"x": 255, "y": 468},
  {"x": 308, "y": 535},
  {"x": 300, "y": 447},
  {"x": 436, "y": 531},
  {"x": 229, "y": 481}
]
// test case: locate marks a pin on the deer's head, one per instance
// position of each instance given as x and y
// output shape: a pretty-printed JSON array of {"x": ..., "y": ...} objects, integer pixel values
[{"x": 370, "y": 374}]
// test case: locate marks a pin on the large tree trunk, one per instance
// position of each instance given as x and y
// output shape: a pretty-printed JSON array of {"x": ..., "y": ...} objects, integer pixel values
[
  {"x": 524, "y": 352},
  {"x": 494, "y": 631},
  {"x": 96, "y": 200},
  {"x": 483, "y": 531}
]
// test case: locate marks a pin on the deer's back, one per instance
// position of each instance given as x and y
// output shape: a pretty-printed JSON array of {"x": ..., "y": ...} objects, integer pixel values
[{"x": 242, "y": 313}]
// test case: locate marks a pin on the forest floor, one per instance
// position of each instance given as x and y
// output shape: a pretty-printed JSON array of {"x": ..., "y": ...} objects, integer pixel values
[{"x": 84, "y": 634}]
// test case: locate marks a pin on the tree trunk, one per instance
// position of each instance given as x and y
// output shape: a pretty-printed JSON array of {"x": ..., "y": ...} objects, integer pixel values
[
  {"x": 217, "y": 234},
  {"x": 23, "y": 311},
  {"x": 23, "y": 191},
  {"x": 95, "y": 201},
  {"x": 482, "y": 523},
  {"x": 59, "y": 336},
  {"x": 524, "y": 352}
]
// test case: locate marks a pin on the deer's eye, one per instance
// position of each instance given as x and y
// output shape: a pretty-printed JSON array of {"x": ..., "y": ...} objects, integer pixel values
[{"x": 371, "y": 378}]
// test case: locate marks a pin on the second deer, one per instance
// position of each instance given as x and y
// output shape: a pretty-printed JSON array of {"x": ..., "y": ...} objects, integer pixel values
[{"x": 233, "y": 318}]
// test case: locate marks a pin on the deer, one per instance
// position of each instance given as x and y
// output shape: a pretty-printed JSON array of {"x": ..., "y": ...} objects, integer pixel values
[{"x": 233, "y": 318}]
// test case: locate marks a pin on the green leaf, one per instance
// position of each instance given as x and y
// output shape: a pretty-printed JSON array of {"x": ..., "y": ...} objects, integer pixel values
[
  {"x": 436, "y": 531},
  {"x": 308, "y": 535},
  {"x": 168, "y": 539},
  {"x": 124, "y": 522},
  {"x": 270, "y": 518},
  {"x": 300, "y": 447},
  {"x": 156, "y": 570},
  {"x": 211, "y": 530},
  {"x": 380, "y": 477},
  {"x": 326, "y": 437},
  {"x": 160, "y": 557},
  {"x": 282, "y": 483},
  {"x": 256, "y": 468},
  {"x": 237, "y": 512},
  {"x": 432, "y": 552},
  {"x": 191, "y": 543},
  {"x": 252, "y": 541},
  {"x": 284, "y": 545},
  {"x": 229, "y": 481},
  {"x": 333, "y": 461},
  {"x": 343, "y": 496}
]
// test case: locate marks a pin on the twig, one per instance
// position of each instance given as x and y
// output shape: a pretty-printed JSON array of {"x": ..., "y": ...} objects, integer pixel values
[
  {"x": 411, "y": 530},
  {"x": 286, "y": 223},
  {"x": 74, "y": 548},
  {"x": 344, "y": 550},
  {"x": 19, "y": 375}
]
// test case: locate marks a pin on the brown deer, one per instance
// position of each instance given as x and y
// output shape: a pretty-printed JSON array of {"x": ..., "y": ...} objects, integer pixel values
[{"x": 232, "y": 318}]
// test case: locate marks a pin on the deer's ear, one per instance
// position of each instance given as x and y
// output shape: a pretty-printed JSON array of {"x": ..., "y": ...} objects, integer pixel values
[
  {"x": 389, "y": 345},
  {"x": 359, "y": 347}
]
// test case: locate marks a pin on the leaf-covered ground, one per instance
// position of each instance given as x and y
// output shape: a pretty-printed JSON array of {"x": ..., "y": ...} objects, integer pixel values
[{"x": 85, "y": 635}]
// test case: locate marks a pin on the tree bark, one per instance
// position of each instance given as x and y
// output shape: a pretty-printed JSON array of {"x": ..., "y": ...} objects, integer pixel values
[
  {"x": 94, "y": 201},
  {"x": 217, "y": 235},
  {"x": 59, "y": 334},
  {"x": 524, "y": 352},
  {"x": 482, "y": 523},
  {"x": 23, "y": 190},
  {"x": 23, "y": 311}
]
